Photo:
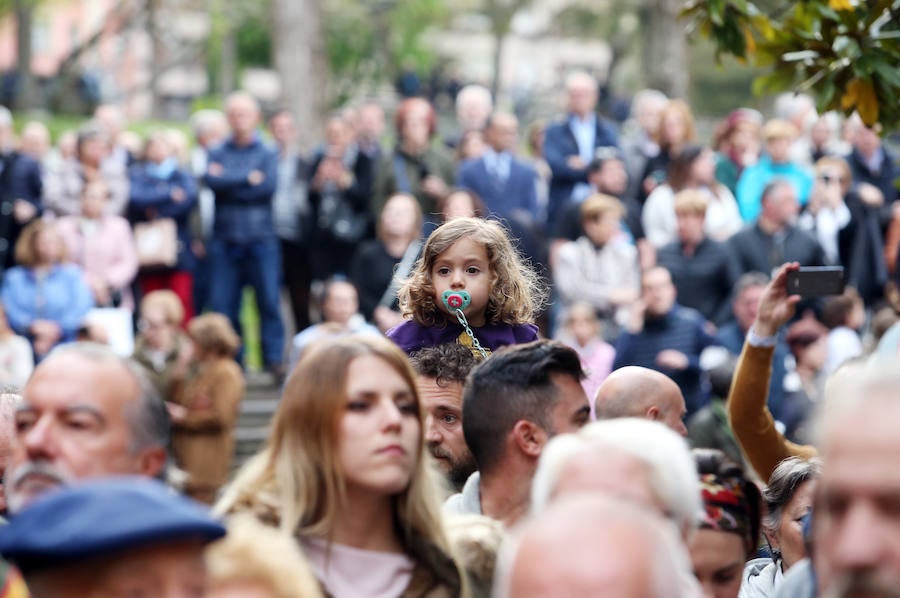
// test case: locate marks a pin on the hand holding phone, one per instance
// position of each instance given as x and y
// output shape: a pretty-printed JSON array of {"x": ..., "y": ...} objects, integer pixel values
[{"x": 816, "y": 281}]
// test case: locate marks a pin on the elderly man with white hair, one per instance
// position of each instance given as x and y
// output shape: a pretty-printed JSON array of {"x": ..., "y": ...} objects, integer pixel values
[
  {"x": 571, "y": 143},
  {"x": 632, "y": 459},
  {"x": 474, "y": 105},
  {"x": 594, "y": 546},
  {"x": 856, "y": 520}
]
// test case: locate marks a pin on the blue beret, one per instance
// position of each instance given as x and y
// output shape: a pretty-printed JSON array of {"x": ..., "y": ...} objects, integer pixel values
[{"x": 103, "y": 517}]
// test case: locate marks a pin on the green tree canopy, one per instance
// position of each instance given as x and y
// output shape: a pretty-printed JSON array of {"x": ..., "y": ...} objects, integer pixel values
[{"x": 845, "y": 53}]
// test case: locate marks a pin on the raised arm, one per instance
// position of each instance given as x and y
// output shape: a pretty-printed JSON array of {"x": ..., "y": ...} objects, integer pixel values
[{"x": 750, "y": 418}]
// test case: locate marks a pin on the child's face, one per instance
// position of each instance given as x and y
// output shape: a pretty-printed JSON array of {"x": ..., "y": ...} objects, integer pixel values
[{"x": 464, "y": 266}]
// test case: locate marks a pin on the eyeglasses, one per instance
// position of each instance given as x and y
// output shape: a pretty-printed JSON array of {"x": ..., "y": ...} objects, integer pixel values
[{"x": 145, "y": 325}]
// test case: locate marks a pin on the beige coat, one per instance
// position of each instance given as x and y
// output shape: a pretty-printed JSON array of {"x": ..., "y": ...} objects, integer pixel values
[{"x": 203, "y": 442}]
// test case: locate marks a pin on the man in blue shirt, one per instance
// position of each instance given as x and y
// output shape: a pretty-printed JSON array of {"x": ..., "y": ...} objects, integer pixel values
[
  {"x": 243, "y": 175},
  {"x": 569, "y": 145},
  {"x": 506, "y": 184}
]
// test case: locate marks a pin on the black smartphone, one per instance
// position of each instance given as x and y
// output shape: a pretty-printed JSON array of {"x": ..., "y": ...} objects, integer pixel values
[{"x": 816, "y": 281}]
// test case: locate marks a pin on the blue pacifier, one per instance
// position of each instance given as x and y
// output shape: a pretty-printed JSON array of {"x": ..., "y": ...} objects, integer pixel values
[{"x": 456, "y": 300}]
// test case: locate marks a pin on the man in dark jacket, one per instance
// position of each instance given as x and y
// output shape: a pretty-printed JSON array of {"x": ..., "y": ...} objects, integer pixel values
[
  {"x": 21, "y": 189},
  {"x": 666, "y": 337},
  {"x": 243, "y": 174},
  {"x": 773, "y": 239},
  {"x": 569, "y": 145}
]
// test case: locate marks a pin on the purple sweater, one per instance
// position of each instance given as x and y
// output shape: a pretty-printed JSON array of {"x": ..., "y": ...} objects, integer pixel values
[{"x": 411, "y": 336}]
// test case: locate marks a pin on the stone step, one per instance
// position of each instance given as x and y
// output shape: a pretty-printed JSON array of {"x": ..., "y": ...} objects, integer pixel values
[{"x": 259, "y": 405}]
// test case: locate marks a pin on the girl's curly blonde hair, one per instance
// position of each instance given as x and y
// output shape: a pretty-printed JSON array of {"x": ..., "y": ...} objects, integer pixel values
[{"x": 517, "y": 292}]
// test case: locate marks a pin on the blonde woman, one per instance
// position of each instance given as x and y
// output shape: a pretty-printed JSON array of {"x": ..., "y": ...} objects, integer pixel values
[{"x": 345, "y": 471}]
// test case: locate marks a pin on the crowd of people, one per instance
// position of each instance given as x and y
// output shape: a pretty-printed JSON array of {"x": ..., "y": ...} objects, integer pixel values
[{"x": 571, "y": 370}]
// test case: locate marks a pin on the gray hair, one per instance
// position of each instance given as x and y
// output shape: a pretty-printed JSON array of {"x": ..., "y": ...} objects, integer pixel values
[
  {"x": 647, "y": 96},
  {"x": 9, "y": 401},
  {"x": 147, "y": 417},
  {"x": 672, "y": 471},
  {"x": 475, "y": 93},
  {"x": 750, "y": 280},
  {"x": 783, "y": 484},
  {"x": 203, "y": 121},
  {"x": 601, "y": 519}
]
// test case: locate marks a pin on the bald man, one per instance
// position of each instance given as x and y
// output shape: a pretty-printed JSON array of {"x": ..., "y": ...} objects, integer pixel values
[{"x": 634, "y": 391}]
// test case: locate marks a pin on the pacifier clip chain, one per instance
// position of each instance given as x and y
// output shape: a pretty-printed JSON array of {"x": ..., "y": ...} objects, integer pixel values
[{"x": 456, "y": 302}]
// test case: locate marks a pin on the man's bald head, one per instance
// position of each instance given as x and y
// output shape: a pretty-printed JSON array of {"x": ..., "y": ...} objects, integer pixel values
[{"x": 635, "y": 391}]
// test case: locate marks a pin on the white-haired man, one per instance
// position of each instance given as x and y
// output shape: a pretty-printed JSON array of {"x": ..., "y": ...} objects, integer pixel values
[
  {"x": 632, "y": 459},
  {"x": 594, "y": 546},
  {"x": 856, "y": 520}
]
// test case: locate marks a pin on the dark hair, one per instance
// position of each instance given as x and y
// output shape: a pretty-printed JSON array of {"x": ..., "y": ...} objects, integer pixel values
[
  {"x": 803, "y": 333},
  {"x": 450, "y": 362},
  {"x": 680, "y": 167},
  {"x": 725, "y": 488},
  {"x": 513, "y": 384},
  {"x": 838, "y": 308},
  {"x": 329, "y": 284}
]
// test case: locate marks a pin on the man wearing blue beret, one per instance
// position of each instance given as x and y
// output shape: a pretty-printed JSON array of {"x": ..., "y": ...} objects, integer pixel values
[{"x": 126, "y": 536}]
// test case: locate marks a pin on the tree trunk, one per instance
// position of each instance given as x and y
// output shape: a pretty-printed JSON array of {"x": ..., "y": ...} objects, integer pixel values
[
  {"x": 26, "y": 97},
  {"x": 664, "y": 52},
  {"x": 157, "y": 58},
  {"x": 499, "y": 38},
  {"x": 299, "y": 55},
  {"x": 228, "y": 58}
]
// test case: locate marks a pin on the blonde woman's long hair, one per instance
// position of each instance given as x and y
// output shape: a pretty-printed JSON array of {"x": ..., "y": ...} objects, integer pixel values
[{"x": 296, "y": 481}]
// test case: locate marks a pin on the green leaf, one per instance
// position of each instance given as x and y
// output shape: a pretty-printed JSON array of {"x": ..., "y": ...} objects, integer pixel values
[
  {"x": 717, "y": 11},
  {"x": 777, "y": 81},
  {"x": 888, "y": 73}
]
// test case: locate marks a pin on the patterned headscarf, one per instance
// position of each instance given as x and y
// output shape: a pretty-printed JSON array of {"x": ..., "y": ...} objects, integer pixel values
[{"x": 731, "y": 504}]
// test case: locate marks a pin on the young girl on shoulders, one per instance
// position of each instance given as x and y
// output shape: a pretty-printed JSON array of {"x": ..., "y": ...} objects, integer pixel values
[{"x": 469, "y": 266}]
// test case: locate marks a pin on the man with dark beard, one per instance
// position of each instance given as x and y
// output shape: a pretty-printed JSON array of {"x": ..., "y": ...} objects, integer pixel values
[{"x": 442, "y": 371}]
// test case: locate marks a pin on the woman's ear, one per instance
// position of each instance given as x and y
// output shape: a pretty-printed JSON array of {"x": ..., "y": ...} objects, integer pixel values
[
  {"x": 529, "y": 437},
  {"x": 772, "y": 539}
]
